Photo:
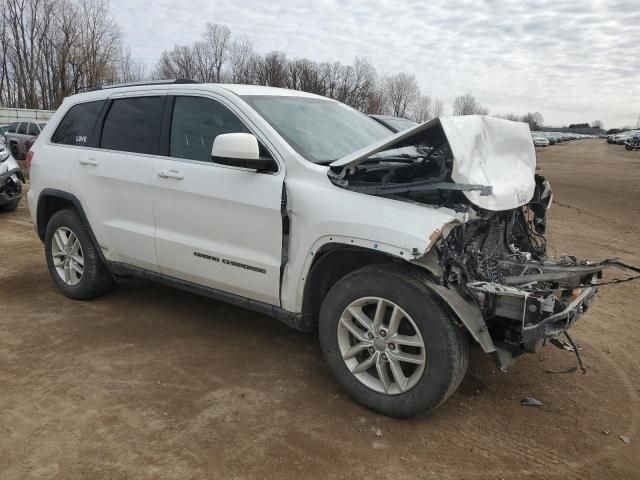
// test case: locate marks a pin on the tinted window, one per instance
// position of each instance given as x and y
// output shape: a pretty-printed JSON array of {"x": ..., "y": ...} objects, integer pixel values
[
  {"x": 22, "y": 129},
  {"x": 196, "y": 123},
  {"x": 133, "y": 125},
  {"x": 77, "y": 125},
  {"x": 13, "y": 127},
  {"x": 33, "y": 129}
]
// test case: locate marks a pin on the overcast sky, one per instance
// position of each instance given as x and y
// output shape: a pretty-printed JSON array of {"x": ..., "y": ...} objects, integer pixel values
[{"x": 572, "y": 61}]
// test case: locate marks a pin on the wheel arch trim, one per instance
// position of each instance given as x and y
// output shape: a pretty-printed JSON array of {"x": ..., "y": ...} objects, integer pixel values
[{"x": 41, "y": 226}]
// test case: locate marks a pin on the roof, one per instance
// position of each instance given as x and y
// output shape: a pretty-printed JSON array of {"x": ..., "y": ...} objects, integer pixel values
[
  {"x": 242, "y": 90},
  {"x": 238, "y": 89}
]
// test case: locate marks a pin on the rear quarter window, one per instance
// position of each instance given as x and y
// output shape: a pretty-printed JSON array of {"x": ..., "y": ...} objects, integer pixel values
[{"x": 77, "y": 125}]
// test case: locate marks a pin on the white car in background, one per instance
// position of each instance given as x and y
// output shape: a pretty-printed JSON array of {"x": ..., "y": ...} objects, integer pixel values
[{"x": 540, "y": 141}]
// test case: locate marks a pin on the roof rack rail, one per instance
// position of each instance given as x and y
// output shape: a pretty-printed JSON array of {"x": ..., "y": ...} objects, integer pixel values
[{"x": 176, "y": 81}]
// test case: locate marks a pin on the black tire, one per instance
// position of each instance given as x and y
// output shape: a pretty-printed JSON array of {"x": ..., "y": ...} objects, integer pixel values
[
  {"x": 96, "y": 279},
  {"x": 446, "y": 344},
  {"x": 628, "y": 147},
  {"x": 15, "y": 151},
  {"x": 11, "y": 206}
]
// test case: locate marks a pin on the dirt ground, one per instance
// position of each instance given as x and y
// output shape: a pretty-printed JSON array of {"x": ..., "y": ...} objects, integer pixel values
[{"x": 149, "y": 382}]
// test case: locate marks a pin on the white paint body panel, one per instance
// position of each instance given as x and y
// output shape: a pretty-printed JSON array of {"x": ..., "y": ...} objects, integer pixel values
[
  {"x": 322, "y": 213},
  {"x": 229, "y": 214},
  {"x": 52, "y": 164},
  {"x": 495, "y": 152},
  {"x": 114, "y": 189}
]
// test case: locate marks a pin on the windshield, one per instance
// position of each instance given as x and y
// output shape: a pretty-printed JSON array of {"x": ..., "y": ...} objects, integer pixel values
[{"x": 320, "y": 130}]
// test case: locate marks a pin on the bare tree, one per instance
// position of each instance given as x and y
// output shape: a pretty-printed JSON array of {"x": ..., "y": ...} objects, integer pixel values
[
  {"x": 534, "y": 119},
  {"x": 218, "y": 40},
  {"x": 377, "y": 101},
  {"x": 510, "y": 116},
  {"x": 240, "y": 54},
  {"x": 437, "y": 109},
  {"x": 402, "y": 92},
  {"x": 130, "y": 69},
  {"x": 50, "y": 49},
  {"x": 181, "y": 62},
  {"x": 422, "y": 110},
  {"x": 271, "y": 70},
  {"x": 467, "y": 105}
]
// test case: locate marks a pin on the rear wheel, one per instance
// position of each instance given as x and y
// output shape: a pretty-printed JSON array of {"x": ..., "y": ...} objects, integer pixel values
[
  {"x": 73, "y": 261},
  {"x": 389, "y": 342}
]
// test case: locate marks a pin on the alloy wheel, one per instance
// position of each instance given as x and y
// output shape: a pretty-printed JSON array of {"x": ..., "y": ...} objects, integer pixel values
[
  {"x": 381, "y": 345},
  {"x": 68, "y": 259}
]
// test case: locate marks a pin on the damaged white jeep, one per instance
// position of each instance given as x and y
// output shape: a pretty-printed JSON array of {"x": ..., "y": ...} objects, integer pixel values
[{"x": 400, "y": 250}]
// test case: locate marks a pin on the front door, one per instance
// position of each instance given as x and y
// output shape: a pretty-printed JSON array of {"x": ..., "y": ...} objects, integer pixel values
[{"x": 216, "y": 225}]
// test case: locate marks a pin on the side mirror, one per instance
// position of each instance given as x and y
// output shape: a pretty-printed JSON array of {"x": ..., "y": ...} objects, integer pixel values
[{"x": 239, "y": 150}]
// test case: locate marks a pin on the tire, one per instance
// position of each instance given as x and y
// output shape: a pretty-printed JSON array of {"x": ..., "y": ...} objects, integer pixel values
[
  {"x": 628, "y": 147},
  {"x": 11, "y": 206},
  {"x": 15, "y": 151},
  {"x": 445, "y": 345},
  {"x": 95, "y": 278}
]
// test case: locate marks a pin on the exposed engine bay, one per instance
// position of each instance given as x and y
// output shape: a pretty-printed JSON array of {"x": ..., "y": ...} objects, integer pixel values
[{"x": 496, "y": 257}]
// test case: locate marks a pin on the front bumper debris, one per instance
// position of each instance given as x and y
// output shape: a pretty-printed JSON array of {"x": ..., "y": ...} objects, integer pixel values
[
  {"x": 536, "y": 316},
  {"x": 11, "y": 183}
]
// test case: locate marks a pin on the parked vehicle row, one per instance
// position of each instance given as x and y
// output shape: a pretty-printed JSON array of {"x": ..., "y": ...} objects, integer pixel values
[
  {"x": 544, "y": 139},
  {"x": 630, "y": 139}
]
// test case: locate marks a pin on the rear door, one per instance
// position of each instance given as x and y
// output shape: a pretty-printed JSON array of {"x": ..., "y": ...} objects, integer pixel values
[
  {"x": 113, "y": 180},
  {"x": 216, "y": 225}
]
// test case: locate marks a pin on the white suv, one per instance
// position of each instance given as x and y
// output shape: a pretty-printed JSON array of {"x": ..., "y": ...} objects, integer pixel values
[{"x": 399, "y": 249}]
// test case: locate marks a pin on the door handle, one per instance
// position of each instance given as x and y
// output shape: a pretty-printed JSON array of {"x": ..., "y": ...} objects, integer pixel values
[
  {"x": 170, "y": 174},
  {"x": 88, "y": 161}
]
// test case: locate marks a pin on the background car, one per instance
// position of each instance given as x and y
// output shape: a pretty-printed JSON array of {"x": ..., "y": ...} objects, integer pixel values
[
  {"x": 18, "y": 133},
  {"x": 539, "y": 141},
  {"x": 395, "y": 124},
  {"x": 11, "y": 181}
]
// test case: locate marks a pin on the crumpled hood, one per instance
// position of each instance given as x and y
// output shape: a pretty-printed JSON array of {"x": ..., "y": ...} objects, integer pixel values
[{"x": 486, "y": 151}]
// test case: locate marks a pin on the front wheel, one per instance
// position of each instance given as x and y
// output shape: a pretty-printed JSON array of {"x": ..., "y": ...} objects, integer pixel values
[
  {"x": 390, "y": 344},
  {"x": 628, "y": 147}
]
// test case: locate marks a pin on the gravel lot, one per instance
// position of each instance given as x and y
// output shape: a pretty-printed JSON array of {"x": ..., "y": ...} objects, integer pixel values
[{"x": 150, "y": 382}]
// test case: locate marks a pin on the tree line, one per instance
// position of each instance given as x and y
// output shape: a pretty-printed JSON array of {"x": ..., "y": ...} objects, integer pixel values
[
  {"x": 221, "y": 57},
  {"x": 50, "y": 49}
]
